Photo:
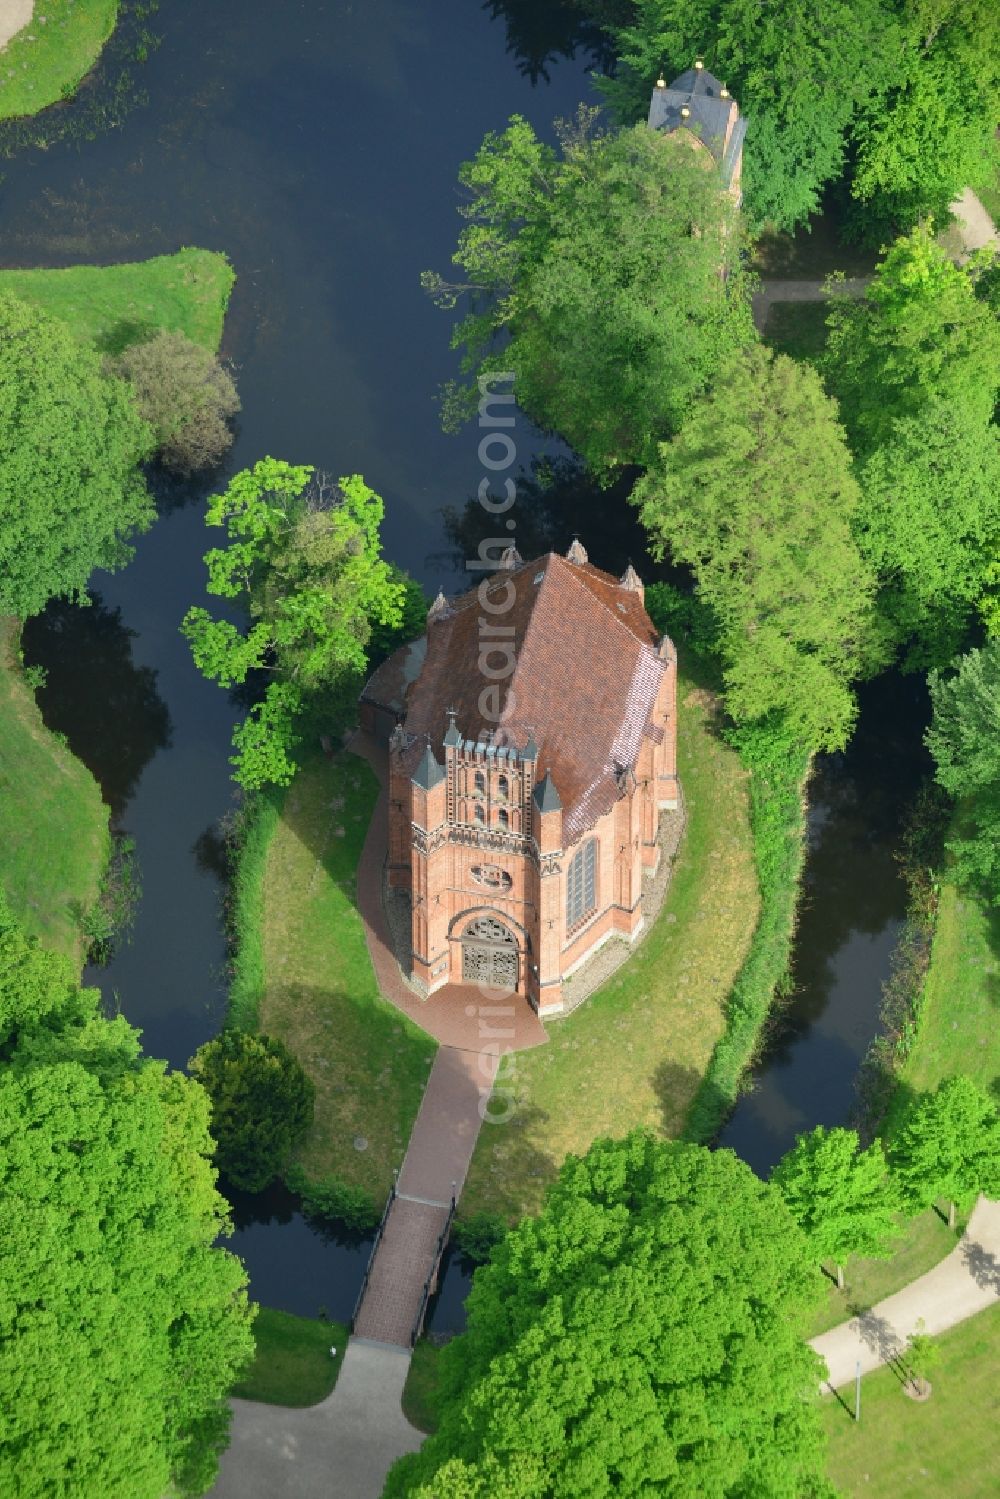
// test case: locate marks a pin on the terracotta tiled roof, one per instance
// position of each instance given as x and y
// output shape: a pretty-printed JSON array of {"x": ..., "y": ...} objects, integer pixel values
[{"x": 585, "y": 679}]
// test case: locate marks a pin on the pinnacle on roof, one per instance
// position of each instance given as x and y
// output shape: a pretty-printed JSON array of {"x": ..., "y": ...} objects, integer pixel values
[
  {"x": 631, "y": 579},
  {"x": 577, "y": 553},
  {"x": 546, "y": 796},
  {"x": 451, "y": 734},
  {"x": 530, "y": 751},
  {"x": 440, "y": 606},
  {"x": 510, "y": 557},
  {"x": 428, "y": 773}
]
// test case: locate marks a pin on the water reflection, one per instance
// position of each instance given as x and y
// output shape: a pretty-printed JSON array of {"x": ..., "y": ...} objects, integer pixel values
[
  {"x": 852, "y": 908},
  {"x": 296, "y": 1264},
  {"x": 539, "y": 35},
  {"x": 109, "y": 707}
]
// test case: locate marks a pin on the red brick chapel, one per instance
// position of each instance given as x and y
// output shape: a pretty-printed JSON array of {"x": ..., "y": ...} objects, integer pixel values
[{"x": 532, "y": 745}]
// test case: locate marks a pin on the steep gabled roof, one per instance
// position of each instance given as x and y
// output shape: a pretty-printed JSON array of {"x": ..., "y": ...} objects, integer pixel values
[
  {"x": 585, "y": 678},
  {"x": 711, "y": 115}
]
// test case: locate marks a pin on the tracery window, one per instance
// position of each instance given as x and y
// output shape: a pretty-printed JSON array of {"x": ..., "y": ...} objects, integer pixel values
[
  {"x": 480, "y": 782},
  {"x": 581, "y": 884},
  {"x": 503, "y": 818},
  {"x": 480, "y": 814}
]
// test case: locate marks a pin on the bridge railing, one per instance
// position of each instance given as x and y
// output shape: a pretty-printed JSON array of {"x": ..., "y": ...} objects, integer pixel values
[
  {"x": 374, "y": 1250},
  {"x": 431, "y": 1278}
]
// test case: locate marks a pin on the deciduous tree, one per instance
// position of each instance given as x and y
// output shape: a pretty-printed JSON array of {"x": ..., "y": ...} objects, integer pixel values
[
  {"x": 756, "y": 493},
  {"x": 121, "y": 1327},
  {"x": 262, "y": 1104},
  {"x": 839, "y": 1195},
  {"x": 185, "y": 395},
  {"x": 644, "y": 1333},
  {"x": 603, "y": 265},
  {"x": 71, "y": 494},
  {"x": 304, "y": 555},
  {"x": 920, "y": 336},
  {"x": 798, "y": 90},
  {"x": 964, "y": 738},
  {"x": 948, "y": 1145}
]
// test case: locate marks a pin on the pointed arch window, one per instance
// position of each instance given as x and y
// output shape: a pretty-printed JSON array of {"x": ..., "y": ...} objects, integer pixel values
[
  {"x": 581, "y": 884},
  {"x": 503, "y": 818},
  {"x": 480, "y": 783},
  {"x": 480, "y": 814},
  {"x": 503, "y": 789}
]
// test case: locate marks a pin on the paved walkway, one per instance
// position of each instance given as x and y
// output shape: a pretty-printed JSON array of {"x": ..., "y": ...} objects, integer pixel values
[
  {"x": 772, "y": 291},
  {"x": 967, "y": 1281},
  {"x": 457, "y": 1015},
  {"x": 339, "y": 1449},
  {"x": 437, "y": 1159},
  {"x": 976, "y": 227},
  {"x": 14, "y": 16}
]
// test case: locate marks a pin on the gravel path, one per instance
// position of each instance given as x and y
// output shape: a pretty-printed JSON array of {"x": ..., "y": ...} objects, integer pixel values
[
  {"x": 339, "y": 1449},
  {"x": 14, "y": 16},
  {"x": 967, "y": 1281}
]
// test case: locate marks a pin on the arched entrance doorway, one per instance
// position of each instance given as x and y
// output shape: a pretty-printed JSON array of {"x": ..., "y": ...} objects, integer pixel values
[{"x": 489, "y": 954}]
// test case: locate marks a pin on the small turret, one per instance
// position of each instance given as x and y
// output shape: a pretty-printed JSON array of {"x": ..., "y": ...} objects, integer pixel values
[
  {"x": 510, "y": 557},
  {"x": 577, "y": 553},
  {"x": 439, "y": 609},
  {"x": 631, "y": 580}
]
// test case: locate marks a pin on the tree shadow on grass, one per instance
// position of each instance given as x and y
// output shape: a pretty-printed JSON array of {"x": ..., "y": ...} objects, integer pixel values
[
  {"x": 526, "y": 1163},
  {"x": 691, "y": 1107}
]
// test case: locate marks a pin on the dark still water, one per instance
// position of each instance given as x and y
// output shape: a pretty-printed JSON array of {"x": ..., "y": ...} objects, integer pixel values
[
  {"x": 317, "y": 145},
  {"x": 853, "y": 903}
]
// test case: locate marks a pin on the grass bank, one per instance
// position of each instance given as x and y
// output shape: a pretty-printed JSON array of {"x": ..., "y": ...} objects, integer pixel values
[
  {"x": 249, "y": 844},
  {"x": 319, "y": 995},
  {"x": 777, "y": 823},
  {"x": 46, "y": 60},
  {"x": 420, "y": 1392},
  {"x": 55, "y": 842},
  {"x": 293, "y": 1365},
  {"x": 946, "y": 1445},
  {"x": 636, "y": 1052},
  {"x": 115, "y": 305},
  {"x": 957, "y": 1029}
]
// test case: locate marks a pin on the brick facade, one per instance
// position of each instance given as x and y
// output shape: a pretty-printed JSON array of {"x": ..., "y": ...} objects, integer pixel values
[{"x": 523, "y": 842}]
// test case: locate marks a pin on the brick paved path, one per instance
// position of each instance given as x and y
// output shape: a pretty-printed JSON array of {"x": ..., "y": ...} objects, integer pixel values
[{"x": 437, "y": 1159}]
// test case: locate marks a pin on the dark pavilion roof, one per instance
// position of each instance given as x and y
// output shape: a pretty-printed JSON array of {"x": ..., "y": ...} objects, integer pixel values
[
  {"x": 709, "y": 112},
  {"x": 586, "y": 676}
]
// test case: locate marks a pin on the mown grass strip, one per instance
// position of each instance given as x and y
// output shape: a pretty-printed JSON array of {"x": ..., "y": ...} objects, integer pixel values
[
  {"x": 115, "y": 305},
  {"x": 293, "y": 1364},
  {"x": 369, "y": 1063},
  {"x": 46, "y": 60},
  {"x": 54, "y": 843}
]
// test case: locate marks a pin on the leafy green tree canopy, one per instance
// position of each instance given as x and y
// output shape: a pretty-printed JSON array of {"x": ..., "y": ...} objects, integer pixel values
[
  {"x": 185, "y": 395},
  {"x": 948, "y": 1145},
  {"x": 931, "y": 133},
  {"x": 839, "y": 1195},
  {"x": 756, "y": 493},
  {"x": 304, "y": 556},
  {"x": 928, "y": 525},
  {"x": 71, "y": 494},
  {"x": 964, "y": 738},
  {"x": 798, "y": 88},
  {"x": 642, "y": 1334},
  {"x": 920, "y": 336},
  {"x": 602, "y": 263},
  {"x": 121, "y": 1327},
  {"x": 262, "y": 1104}
]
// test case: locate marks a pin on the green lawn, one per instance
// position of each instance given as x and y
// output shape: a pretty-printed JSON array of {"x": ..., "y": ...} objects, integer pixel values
[
  {"x": 55, "y": 841},
  {"x": 636, "y": 1051},
  {"x": 293, "y": 1364},
  {"x": 368, "y": 1062},
  {"x": 958, "y": 1029},
  {"x": 47, "y": 59},
  {"x": 923, "y": 1243},
  {"x": 420, "y": 1389},
  {"x": 947, "y": 1445},
  {"x": 113, "y": 305}
]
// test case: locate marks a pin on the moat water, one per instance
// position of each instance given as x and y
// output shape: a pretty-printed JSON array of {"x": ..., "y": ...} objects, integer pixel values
[{"x": 317, "y": 144}]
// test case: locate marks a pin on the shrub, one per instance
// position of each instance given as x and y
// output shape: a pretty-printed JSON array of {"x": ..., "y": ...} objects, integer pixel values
[
  {"x": 185, "y": 395},
  {"x": 478, "y": 1235},
  {"x": 262, "y": 1104},
  {"x": 334, "y": 1201}
]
